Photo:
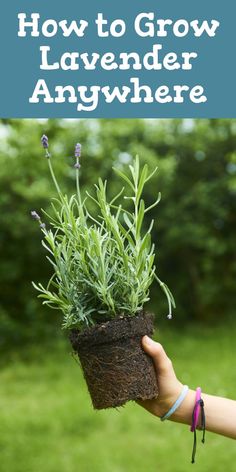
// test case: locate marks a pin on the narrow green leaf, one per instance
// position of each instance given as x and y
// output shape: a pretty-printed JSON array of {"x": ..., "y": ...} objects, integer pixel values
[
  {"x": 140, "y": 218},
  {"x": 124, "y": 177},
  {"x": 142, "y": 181},
  {"x": 152, "y": 174},
  {"x": 155, "y": 203}
]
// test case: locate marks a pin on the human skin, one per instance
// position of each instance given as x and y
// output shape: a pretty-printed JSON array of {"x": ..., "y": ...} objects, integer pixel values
[{"x": 220, "y": 412}]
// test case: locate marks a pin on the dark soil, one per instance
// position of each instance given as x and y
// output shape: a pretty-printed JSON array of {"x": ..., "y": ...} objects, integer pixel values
[{"x": 114, "y": 364}]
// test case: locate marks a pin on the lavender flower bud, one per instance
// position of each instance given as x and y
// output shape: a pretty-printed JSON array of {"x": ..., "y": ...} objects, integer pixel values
[
  {"x": 78, "y": 150},
  {"x": 44, "y": 141},
  {"x": 35, "y": 215},
  {"x": 77, "y": 165},
  {"x": 42, "y": 226}
]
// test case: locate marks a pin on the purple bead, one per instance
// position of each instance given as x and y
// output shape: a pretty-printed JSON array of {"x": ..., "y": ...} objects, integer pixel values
[
  {"x": 35, "y": 215},
  {"x": 44, "y": 141},
  {"x": 77, "y": 150},
  {"x": 77, "y": 165}
]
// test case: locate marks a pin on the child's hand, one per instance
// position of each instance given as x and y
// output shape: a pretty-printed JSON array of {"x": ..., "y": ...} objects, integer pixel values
[{"x": 220, "y": 413}]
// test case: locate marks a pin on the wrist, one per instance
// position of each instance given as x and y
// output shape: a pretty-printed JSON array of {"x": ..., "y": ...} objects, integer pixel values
[
  {"x": 183, "y": 414},
  {"x": 166, "y": 403},
  {"x": 176, "y": 404}
]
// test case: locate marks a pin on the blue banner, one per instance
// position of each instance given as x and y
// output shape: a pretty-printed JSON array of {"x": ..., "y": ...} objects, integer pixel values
[{"x": 98, "y": 59}]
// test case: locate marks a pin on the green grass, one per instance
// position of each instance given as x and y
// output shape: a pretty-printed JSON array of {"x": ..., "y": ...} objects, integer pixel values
[{"x": 47, "y": 423}]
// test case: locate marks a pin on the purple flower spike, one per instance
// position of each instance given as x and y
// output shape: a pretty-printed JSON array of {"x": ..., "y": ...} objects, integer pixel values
[
  {"x": 77, "y": 165},
  {"x": 44, "y": 141},
  {"x": 78, "y": 150},
  {"x": 35, "y": 215}
]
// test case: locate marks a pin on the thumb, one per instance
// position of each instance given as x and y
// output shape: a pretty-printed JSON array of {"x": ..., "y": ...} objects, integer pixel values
[{"x": 163, "y": 364}]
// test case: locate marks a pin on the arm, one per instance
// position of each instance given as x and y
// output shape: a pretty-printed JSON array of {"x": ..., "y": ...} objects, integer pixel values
[{"x": 220, "y": 412}]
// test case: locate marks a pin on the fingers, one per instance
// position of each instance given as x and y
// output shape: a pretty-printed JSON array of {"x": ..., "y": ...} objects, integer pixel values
[{"x": 161, "y": 361}]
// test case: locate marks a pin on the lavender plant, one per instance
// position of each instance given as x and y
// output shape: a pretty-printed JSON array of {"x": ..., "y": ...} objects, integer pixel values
[{"x": 102, "y": 266}]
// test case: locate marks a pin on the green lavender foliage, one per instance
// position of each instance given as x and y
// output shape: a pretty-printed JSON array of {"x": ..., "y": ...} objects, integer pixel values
[{"x": 103, "y": 265}]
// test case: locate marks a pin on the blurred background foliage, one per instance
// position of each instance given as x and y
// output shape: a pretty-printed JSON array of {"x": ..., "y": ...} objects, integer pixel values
[{"x": 195, "y": 222}]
